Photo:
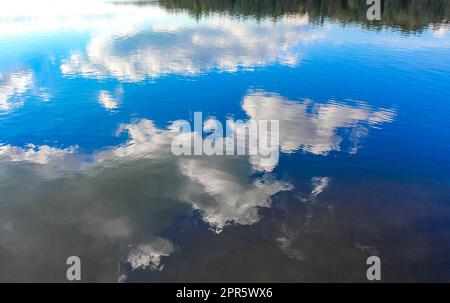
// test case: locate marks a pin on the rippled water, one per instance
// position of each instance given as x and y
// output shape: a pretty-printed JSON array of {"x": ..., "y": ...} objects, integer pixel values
[{"x": 89, "y": 94}]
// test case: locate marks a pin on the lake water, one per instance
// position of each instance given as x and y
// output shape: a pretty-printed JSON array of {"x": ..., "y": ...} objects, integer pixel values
[{"x": 89, "y": 94}]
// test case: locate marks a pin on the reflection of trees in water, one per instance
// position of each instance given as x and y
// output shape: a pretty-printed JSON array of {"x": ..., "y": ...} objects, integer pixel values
[{"x": 407, "y": 15}]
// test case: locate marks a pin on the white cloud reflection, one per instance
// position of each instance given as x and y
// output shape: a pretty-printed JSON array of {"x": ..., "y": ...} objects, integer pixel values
[
  {"x": 213, "y": 184},
  {"x": 12, "y": 89},
  {"x": 214, "y": 43},
  {"x": 42, "y": 155},
  {"x": 21, "y": 18},
  {"x": 16, "y": 87},
  {"x": 148, "y": 255},
  {"x": 110, "y": 101},
  {"x": 219, "y": 188},
  {"x": 313, "y": 127},
  {"x": 224, "y": 196}
]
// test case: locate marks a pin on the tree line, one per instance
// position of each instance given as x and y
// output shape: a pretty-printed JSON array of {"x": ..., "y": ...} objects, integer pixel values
[{"x": 405, "y": 15}]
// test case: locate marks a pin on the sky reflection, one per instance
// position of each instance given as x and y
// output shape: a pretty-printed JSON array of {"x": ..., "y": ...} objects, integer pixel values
[
  {"x": 216, "y": 43},
  {"x": 90, "y": 95}
]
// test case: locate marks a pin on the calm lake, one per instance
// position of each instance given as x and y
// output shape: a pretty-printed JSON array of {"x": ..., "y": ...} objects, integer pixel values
[{"x": 90, "y": 92}]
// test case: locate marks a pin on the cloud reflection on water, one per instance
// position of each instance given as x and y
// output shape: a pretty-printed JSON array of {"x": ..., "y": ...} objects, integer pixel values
[
  {"x": 312, "y": 127},
  {"x": 215, "y": 43},
  {"x": 13, "y": 88},
  {"x": 16, "y": 87},
  {"x": 69, "y": 194},
  {"x": 218, "y": 187}
]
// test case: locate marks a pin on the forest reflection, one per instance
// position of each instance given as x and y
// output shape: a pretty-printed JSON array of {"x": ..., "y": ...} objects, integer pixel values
[{"x": 405, "y": 15}]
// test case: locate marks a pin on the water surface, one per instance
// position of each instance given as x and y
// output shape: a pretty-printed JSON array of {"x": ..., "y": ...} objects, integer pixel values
[{"x": 89, "y": 91}]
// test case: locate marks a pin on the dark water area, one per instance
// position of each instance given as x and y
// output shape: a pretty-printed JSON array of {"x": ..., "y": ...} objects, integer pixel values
[{"x": 90, "y": 95}]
